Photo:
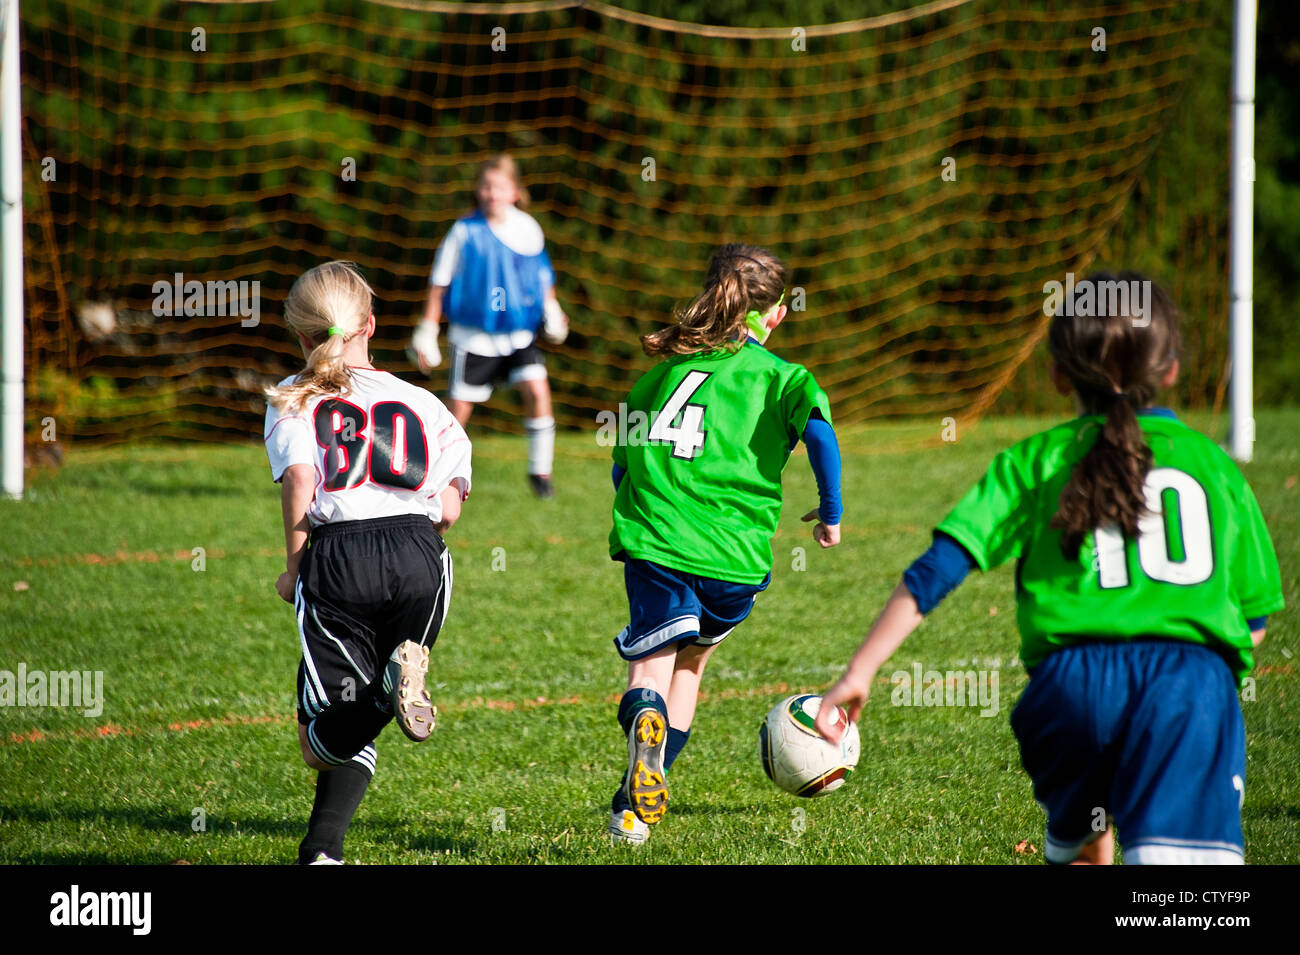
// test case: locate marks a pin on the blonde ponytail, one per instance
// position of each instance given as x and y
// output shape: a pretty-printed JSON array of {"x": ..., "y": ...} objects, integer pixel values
[{"x": 328, "y": 305}]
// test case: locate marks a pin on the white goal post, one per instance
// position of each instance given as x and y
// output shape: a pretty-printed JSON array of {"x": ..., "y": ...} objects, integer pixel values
[
  {"x": 11, "y": 254},
  {"x": 1241, "y": 335}
]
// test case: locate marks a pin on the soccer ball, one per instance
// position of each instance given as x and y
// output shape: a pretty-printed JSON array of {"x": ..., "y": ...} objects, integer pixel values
[{"x": 798, "y": 758}]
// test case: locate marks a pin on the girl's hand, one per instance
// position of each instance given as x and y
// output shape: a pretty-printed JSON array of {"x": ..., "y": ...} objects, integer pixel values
[
  {"x": 285, "y": 585},
  {"x": 851, "y": 693},
  {"x": 828, "y": 535}
]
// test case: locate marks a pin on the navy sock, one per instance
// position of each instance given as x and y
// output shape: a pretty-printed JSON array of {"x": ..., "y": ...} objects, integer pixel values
[
  {"x": 676, "y": 740},
  {"x": 635, "y": 699},
  {"x": 338, "y": 794},
  {"x": 619, "y": 802}
]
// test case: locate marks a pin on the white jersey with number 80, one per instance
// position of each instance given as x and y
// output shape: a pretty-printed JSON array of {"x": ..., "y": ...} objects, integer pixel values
[{"x": 385, "y": 449}]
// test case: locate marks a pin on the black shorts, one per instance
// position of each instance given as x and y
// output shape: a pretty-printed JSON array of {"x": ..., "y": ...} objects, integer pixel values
[
  {"x": 363, "y": 588},
  {"x": 472, "y": 376}
]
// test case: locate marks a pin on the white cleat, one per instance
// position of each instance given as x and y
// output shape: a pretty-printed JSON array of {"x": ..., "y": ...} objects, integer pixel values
[
  {"x": 404, "y": 682},
  {"x": 626, "y": 828}
]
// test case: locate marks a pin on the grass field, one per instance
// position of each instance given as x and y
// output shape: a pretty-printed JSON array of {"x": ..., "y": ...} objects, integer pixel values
[{"x": 98, "y": 572}]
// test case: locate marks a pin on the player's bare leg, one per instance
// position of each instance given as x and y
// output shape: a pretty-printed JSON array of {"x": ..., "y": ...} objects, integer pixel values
[
  {"x": 646, "y": 785},
  {"x": 308, "y": 757},
  {"x": 461, "y": 410},
  {"x": 1101, "y": 851},
  {"x": 540, "y": 425},
  {"x": 654, "y": 672},
  {"x": 536, "y": 396},
  {"x": 684, "y": 690}
]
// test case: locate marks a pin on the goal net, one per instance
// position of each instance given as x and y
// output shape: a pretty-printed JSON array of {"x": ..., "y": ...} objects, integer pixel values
[{"x": 924, "y": 173}]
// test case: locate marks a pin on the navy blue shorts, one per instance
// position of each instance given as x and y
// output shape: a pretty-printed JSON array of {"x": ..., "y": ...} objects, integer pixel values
[
  {"x": 1146, "y": 733},
  {"x": 674, "y": 607}
]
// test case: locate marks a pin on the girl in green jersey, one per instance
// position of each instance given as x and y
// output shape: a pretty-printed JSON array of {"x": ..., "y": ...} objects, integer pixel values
[
  {"x": 698, "y": 500},
  {"x": 1144, "y": 577}
]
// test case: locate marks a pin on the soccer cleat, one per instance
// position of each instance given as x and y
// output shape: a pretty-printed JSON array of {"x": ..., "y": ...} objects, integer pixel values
[
  {"x": 646, "y": 786},
  {"x": 626, "y": 828},
  {"x": 322, "y": 859},
  {"x": 404, "y": 682},
  {"x": 541, "y": 485}
]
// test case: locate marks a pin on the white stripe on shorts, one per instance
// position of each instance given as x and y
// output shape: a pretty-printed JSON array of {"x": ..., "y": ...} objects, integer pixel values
[
  {"x": 646, "y": 642},
  {"x": 1182, "y": 852}
]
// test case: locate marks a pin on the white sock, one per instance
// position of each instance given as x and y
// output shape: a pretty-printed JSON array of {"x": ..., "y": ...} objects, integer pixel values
[{"x": 541, "y": 444}]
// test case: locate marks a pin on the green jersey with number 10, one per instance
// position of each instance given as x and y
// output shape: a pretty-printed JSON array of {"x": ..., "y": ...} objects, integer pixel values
[
  {"x": 1202, "y": 564},
  {"x": 706, "y": 437}
]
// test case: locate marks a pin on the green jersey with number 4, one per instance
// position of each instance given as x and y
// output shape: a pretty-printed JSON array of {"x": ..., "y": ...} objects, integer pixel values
[
  {"x": 706, "y": 439},
  {"x": 1202, "y": 564}
]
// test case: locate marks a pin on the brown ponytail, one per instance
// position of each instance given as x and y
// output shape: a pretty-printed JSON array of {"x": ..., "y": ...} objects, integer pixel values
[
  {"x": 1116, "y": 365},
  {"x": 741, "y": 279}
]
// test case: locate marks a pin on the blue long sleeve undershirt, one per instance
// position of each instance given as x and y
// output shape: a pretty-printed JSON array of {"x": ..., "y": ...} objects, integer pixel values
[
  {"x": 824, "y": 456},
  {"x": 937, "y": 572}
]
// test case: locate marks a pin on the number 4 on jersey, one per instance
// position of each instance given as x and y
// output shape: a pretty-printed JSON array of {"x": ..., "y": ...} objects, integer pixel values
[{"x": 688, "y": 436}]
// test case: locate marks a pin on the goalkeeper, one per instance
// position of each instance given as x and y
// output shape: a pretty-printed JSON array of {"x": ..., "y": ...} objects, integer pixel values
[{"x": 493, "y": 281}]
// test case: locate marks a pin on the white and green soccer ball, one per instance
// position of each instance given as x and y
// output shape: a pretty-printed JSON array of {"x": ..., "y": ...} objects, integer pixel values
[{"x": 798, "y": 758}]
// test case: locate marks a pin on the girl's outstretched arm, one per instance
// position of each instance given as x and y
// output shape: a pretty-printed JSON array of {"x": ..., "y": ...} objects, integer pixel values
[
  {"x": 929, "y": 579},
  {"x": 896, "y": 621},
  {"x": 297, "y": 488}
]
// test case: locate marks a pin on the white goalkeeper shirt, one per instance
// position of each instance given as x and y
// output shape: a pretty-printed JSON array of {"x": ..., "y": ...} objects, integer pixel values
[{"x": 384, "y": 449}]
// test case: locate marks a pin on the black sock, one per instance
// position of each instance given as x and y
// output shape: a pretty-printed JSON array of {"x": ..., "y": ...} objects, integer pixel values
[
  {"x": 343, "y": 729},
  {"x": 338, "y": 793}
]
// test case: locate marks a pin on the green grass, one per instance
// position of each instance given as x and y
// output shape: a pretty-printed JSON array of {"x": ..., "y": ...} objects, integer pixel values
[{"x": 199, "y": 674}]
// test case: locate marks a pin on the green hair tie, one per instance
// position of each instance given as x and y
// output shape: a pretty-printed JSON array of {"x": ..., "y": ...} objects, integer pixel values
[
  {"x": 335, "y": 330},
  {"x": 755, "y": 320}
]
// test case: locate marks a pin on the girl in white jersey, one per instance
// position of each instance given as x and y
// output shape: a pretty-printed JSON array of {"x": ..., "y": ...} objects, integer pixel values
[
  {"x": 372, "y": 471},
  {"x": 493, "y": 283}
]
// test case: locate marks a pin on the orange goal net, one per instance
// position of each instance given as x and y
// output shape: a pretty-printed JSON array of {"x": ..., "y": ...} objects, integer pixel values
[{"x": 923, "y": 172}]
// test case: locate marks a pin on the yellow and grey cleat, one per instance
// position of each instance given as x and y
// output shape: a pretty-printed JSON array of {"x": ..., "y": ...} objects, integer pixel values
[
  {"x": 404, "y": 680},
  {"x": 646, "y": 786},
  {"x": 626, "y": 828}
]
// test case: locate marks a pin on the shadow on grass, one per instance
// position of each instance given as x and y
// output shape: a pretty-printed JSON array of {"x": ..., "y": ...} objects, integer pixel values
[
  {"x": 1273, "y": 812},
  {"x": 697, "y": 809},
  {"x": 168, "y": 822}
]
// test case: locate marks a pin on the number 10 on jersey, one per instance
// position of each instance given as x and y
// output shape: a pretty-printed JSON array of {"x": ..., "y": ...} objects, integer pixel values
[
  {"x": 687, "y": 437},
  {"x": 1177, "y": 520}
]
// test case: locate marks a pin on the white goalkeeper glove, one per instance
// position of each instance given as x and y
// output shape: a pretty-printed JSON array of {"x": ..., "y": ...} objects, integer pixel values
[
  {"x": 555, "y": 327},
  {"x": 423, "y": 350}
]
